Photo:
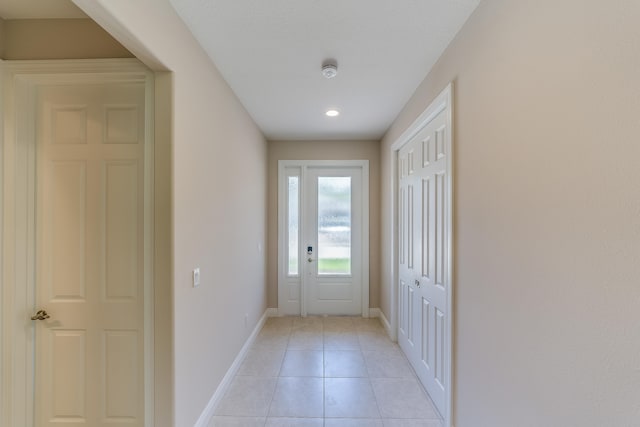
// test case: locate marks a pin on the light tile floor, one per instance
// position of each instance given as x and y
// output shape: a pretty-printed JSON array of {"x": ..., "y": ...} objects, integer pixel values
[{"x": 325, "y": 372}]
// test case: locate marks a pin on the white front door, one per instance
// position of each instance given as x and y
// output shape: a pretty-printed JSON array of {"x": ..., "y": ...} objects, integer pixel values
[
  {"x": 333, "y": 241},
  {"x": 424, "y": 215},
  {"x": 323, "y": 247},
  {"x": 89, "y": 365}
]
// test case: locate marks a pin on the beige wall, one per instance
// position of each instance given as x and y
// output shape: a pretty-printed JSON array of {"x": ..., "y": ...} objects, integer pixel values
[
  {"x": 59, "y": 39},
  {"x": 2, "y": 38},
  {"x": 218, "y": 206},
  {"x": 547, "y": 212},
  {"x": 325, "y": 150}
]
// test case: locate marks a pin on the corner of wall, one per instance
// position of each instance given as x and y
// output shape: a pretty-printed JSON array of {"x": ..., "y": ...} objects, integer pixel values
[
  {"x": 163, "y": 198},
  {"x": 378, "y": 313}
]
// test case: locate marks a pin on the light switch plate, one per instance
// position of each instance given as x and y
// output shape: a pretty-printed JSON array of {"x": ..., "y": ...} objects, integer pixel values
[{"x": 196, "y": 277}]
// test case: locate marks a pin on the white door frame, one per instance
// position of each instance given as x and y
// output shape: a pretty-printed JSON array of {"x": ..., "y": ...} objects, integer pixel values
[
  {"x": 282, "y": 226},
  {"x": 19, "y": 82},
  {"x": 443, "y": 102}
]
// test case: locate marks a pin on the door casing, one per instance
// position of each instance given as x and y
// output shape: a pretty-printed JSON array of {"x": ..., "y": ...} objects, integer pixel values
[
  {"x": 19, "y": 81},
  {"x": 442, "y": 103},
  {"x": 282, "y": 226}
]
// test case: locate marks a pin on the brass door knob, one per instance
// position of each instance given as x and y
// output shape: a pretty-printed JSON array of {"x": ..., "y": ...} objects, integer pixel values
[{"x": 40, "y": 315}]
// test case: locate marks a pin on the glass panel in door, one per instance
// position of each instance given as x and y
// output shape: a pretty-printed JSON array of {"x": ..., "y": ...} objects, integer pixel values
[
  {"x": 293, "y": 210},
  {"x": 334, "y": 225}
]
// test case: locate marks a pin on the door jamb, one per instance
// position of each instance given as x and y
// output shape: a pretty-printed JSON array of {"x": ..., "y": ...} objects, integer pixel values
[
  {"x": 19, "y": 80},
  {"x": 303, "y": 165},
  {"x": 443, "y": 102}
]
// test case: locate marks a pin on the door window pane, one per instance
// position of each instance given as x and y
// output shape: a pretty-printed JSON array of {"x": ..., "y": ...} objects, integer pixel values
[
  {"x": 294, "y": 226},
  {"x": 334, "y": 225}
]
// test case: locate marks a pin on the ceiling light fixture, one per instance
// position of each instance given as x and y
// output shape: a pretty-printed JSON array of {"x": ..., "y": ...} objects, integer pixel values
[
  {"x": 332, "y": 113},
  {"x": 330, "y": 68}
]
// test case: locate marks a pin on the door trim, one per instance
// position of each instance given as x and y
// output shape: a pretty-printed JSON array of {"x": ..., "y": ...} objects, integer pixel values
[
  {"x": 304, "y": 165},
  {"x": 20, "y": 80},
  {"x": 443, "y": 102}
]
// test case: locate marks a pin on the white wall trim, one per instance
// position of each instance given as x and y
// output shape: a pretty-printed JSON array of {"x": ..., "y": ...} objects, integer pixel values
[
  {"x": 207, "y": 414},
  {"x": 442, "y": 102},
  {"x": 19, "y": 82}
]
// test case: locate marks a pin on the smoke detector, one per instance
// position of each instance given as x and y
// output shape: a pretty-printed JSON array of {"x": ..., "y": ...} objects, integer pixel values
[{"x": 329, "y": 69}]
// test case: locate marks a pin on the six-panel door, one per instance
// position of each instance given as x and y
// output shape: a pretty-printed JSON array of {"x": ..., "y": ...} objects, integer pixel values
[
  {"x": 90, "y": 188},
  {"x": 423, "y": 216}
]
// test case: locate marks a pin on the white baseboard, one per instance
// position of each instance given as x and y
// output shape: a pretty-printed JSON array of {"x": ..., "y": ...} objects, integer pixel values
[
  {"x": 207, "y": 414},
  {"x": 376, "y": 312}
]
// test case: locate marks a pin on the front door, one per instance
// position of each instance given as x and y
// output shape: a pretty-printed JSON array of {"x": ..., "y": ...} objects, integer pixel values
[
  {"x": 89, "y": 363},
  {"x": 333, "y": 241},
  {"x": 324, "y": 235},
  {"x": 424, "y": 215}
]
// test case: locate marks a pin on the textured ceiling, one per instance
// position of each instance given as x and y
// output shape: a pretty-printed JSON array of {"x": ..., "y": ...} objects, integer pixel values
[
  {"x": 39, "y": 9},
  {"x": 271, "y": 52}
]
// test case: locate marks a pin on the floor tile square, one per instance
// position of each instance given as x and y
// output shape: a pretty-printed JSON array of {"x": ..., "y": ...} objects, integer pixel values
[
  {"x": 412, "y": 423},
  {"x": 305, "y": 339},
  {"x": 338, "y": 324},
  {"x": 247, "y": 396},
  {"x": 279, "y": 322},
  {"x": 302, "y": 363},
  {"x": 387, "y": 365},
  {"x": 262, "y": 362},
  {"x": 353, "y": 422},
  {"x": 237, "y": 422},
  {"x": 294, "y": 422},
  {"x": 298, "y": 397},
  {"x": 349, "y": 398},
  {"x": 272, "y": 338},
  {"x": 313, "y": 323},
  {"x": 378, "y": 341},
  {"x": 341, "y": 340},
  {"x": 402, "y": 398},
  {"x": 344, "y": 363},
  {"x": 368, "y": 324}
]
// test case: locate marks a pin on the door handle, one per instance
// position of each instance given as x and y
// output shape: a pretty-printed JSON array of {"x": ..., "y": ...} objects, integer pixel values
[
  {"x": 40, "y": 315},
  {"x": 417, "y": 283},
  {"x": 309, "y": 259}
]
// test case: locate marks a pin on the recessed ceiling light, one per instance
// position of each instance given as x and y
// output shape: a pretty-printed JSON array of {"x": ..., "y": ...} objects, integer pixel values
[{"x": 332, "y": 113}]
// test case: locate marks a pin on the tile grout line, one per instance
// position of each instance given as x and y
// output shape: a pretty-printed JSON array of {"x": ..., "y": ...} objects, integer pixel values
[
  {"x": 266, "y": 419},
  {"x": 324, "y": 380}
]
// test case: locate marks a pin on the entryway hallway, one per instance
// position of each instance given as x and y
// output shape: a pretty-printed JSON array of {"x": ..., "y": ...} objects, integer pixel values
[{"x": 325, "y": 372}]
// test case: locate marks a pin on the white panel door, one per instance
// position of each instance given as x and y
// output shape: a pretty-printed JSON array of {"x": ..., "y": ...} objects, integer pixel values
[
  {"x": 423, "y": 270},
  {"x": 89, "y": 254},
  {"x": 332, "y": 249}
]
